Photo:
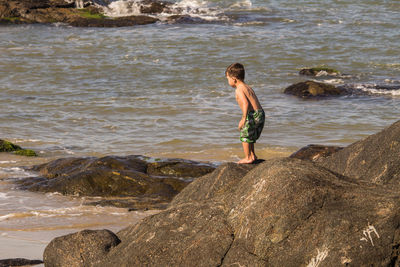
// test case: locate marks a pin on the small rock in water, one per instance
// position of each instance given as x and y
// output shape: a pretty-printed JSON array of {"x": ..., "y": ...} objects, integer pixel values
[
  {"x": 311, "y": 89},
  {"x": 19, "y": 262}
]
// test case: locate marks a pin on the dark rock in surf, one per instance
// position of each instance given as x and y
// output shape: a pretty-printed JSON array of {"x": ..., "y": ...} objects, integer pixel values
[
  {"x": 84, "y": 248},
  {"x": 19, "y": 262},
  {"x": 311, "y": 89},
  {"x": 315, "y": 152},
  {"x": 132, "y": 181}
]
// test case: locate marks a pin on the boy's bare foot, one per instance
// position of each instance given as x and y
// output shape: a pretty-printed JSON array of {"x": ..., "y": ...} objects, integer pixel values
[{"x": 246, "y": 161}]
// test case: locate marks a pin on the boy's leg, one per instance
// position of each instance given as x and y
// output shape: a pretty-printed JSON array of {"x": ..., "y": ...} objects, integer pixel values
[
  {"x": 247, "y": 153},
  {"x": 252, "y": 152}
]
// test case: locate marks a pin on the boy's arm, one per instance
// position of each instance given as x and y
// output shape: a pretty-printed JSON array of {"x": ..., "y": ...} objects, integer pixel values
[{"x": 244, "y": 106}]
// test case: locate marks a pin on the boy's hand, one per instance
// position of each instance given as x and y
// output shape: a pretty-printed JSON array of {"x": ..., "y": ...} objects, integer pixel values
[{"x": 241, "y": 124}]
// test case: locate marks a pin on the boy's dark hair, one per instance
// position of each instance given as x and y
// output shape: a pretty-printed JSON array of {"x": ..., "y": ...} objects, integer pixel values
[{"x": 236, "y": 70}]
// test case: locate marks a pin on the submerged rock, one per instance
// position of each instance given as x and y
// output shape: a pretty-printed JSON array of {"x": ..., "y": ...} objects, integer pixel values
[
  {"x": 131, "y": 181},
  {"x": 315, "y": 152},
  {"x": 310, "y": 89}
]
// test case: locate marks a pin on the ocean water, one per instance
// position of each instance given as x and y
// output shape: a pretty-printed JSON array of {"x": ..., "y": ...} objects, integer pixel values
[{"x": 160, "y": 90}]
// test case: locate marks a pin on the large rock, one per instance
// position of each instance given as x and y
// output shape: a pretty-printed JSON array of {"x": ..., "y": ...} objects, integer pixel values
[
  {"x": 134, "y": 181},
  {"x": 311, "y": 89},
  {"x": 282, "y": 212},
  {"x": 84, "y": 248},
  {"x": 374, "y": 159}
]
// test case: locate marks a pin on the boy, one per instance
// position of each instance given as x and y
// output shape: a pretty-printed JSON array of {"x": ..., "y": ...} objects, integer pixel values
[{"x": 252, "y": 122}]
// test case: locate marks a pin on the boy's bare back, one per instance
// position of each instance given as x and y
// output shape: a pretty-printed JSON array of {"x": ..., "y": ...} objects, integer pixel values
[{"x": 245, "y": 93}]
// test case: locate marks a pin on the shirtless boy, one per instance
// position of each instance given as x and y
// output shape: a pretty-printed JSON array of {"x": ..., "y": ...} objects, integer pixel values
[{"x": 252, "y": 122}]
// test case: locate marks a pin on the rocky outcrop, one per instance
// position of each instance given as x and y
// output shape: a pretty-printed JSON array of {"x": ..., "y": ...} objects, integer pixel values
[
  {"x": 51, "y": 11},
  {"x": 311, "y": 89},
  {"x": 374, "y": 159},
  {"x": 282, "y": 212},
  {"x": 315, "y": 152},
  {"x": 136, "y": 182}
]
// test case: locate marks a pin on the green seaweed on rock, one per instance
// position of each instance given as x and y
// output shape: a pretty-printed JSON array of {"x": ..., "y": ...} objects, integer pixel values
[
  {"x": 88, "y": 14},
  {"x": 26, "y": 152},
  {"x": 6, "y": 146}
]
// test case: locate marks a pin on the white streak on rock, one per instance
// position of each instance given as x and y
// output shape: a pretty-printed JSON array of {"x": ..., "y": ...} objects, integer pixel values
[
  {"x": 321, "y": 255},
  {"x": 367, "y": 234}
]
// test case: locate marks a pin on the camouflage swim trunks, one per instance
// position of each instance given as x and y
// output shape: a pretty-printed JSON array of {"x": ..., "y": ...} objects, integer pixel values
[{"x": 253, "y": 126}]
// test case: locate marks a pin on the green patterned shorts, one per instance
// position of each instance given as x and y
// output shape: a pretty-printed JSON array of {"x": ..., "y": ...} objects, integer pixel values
[{"x": 253, "y": 126}]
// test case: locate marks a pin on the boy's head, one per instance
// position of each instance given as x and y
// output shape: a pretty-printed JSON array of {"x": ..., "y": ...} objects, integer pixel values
[{"x": 235, "y": 71}]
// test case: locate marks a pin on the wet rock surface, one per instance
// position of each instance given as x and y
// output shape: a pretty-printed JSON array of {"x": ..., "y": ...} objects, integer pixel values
[
  {"x": 312, "y": 89},
  {"x": 287, "y": 212},
  {"x": 136, "y": 182}
]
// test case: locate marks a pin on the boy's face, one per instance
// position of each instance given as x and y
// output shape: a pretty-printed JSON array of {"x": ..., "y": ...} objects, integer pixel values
[{"x": 231, "y": 81}]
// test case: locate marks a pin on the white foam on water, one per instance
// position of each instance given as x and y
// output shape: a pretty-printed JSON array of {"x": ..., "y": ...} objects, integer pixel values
[
  {"x": 242, "y": 4},
  {"x": 123, "y": 8},
  {"x": 7, "y": 161},
  {"x": 374, "y": 89},
  {"x": 192, "y": 8},
  {"x": 14, "y": 172}
]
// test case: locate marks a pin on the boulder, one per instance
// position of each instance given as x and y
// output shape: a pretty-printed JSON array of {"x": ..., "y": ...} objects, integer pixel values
[
  {"x": 315, "y": 152},
  {"x": 374, "y": 159},
  {"x": 283, "y": 212},
  {"x": 312, "y": 89},
  {"x": 136, "y": 182},
  {"x": 84, "y": 248}
]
